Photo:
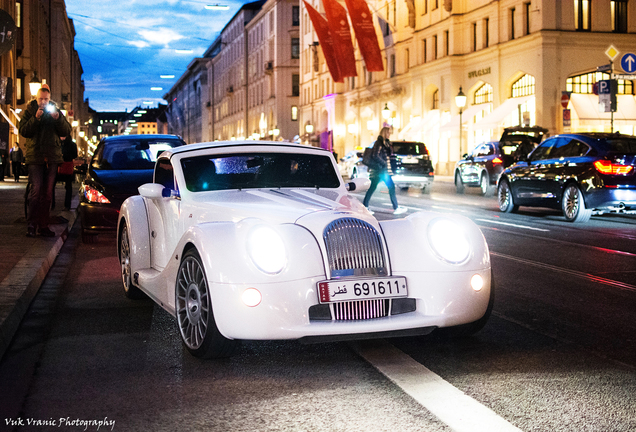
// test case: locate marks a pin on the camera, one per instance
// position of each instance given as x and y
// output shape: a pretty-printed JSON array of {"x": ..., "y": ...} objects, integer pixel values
[{"x": 51, "y": 108}]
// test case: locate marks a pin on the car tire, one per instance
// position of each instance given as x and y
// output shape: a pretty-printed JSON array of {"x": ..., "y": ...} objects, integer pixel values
[
  {"x": 465, "y": 330},
  {"x": 484, "y": 184},
  {"x": 131, "y": 291},
  {"x": 459, "y": 185},
  {"x": 573, "y": 205},
  {"x": 505, "y": 199},
  {"x": 195, "y": 317},
  {"x": 404, "y": 188}
]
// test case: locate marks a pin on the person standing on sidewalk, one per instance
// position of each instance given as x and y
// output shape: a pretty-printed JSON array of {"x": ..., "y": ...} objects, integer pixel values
[
  {"x": 42, "y": 124},
  {"x": 382, "y": 171},
  {"x": 16, "y": 158},
  {"x": 65, "y": 170}
]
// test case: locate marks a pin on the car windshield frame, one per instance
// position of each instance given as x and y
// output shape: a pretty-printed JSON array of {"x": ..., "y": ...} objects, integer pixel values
[
  {"x": 132, "y": 154},
  {"x": 258, "y": 170}
]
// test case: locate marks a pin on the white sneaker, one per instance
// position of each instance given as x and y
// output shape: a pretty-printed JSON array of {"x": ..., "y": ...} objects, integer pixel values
[
  {"x": 400, "y": 210},
  {"x": 370, "y": 211}
]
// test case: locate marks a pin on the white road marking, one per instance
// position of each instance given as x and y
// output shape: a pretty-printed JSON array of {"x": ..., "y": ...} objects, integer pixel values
[
  {"x": 452, "y": 406},
  {"x": 512, "y": 225}
]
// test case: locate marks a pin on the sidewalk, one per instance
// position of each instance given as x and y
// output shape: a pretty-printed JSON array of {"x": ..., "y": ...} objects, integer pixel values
[{"x": 24, "y": 261}]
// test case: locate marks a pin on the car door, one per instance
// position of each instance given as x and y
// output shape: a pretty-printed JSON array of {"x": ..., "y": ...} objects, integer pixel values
[
  {"x": 565, "y": 164},
  {"x": 527, "y": 178},
  {"x": 164, "y": 216},
  {"x": 470, "y": 170}
]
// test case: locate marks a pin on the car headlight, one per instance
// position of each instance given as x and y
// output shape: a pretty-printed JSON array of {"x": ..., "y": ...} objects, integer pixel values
[
  {"x": 448, "y": 240},
  {"x": 267, "y": 250}
]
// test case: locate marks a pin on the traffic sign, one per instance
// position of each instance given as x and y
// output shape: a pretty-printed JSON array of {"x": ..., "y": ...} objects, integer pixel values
[
  {"x": 604, "y": 68},
  {"x": 628, "y": 62},
  {"x": 612, "y": 52},
  {"x": 565, "y": 99}
]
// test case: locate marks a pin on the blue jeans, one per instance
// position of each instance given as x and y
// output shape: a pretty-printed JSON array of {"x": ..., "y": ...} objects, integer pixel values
[
  {"x": 42, "y": 180},
  {"x": 375, "y": 180}
]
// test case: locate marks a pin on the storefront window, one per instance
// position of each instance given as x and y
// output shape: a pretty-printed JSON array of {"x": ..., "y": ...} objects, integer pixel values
[
  {"x": 584, "y": 84},
  {"x": 483, "y": 94},
  {"x": 524, "y": 86}
]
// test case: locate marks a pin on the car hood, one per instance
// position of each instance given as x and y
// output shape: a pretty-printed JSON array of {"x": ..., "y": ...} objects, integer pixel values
[{"x": 275, "y": 205}]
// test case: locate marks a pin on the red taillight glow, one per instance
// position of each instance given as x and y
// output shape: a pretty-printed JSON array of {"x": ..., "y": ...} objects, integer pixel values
[
  {"x": 497, "y": 161},
  {"x": 94, "y": 196},
  {"x": 607, "y": 167}
]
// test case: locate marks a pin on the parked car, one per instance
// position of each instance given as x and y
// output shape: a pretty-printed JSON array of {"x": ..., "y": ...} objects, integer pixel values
[
  {"x": 580, "y": 174},
  {"x": 118, "y": 167},
  {"x": 347, "y": 164},
  {"x": 413, "y": 166},
  {"x": 261, "y": 241},
  {"x": 487, "y": 161}
]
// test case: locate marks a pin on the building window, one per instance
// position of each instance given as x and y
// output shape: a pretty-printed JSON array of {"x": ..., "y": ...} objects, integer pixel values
[
  {"x": 526, "y": 19},
  {"x": 435, "y": 46},
  {"x": 352, "y": 83},
  {"x": 435, "y": 4},
  {"x": 408, "y": 60},
  {"x": 584, "y": 83},
  {"x": 524, "y": 86},
  {"x": 446, "y": 43},
  {"x": 474, "y": 36},
  {"x": 582, "y": 15},
  {"x": 486, "y": 33},
  {"x": 619, "y": 16},
  {"x": 435, "y": 100},
  {"x": 295, "y": 15},
  {"x": 295, "y": 48},
  {"x": 424, "y": 53},
  {"x": 425, "y": 7},
  {"x": 483, "y": 94},
  {"x": 295, "y": 85},
  {"x": 512, "y": 23},
  {"x": 392, "y": 65},
  {"x": 294, "y": 113}
]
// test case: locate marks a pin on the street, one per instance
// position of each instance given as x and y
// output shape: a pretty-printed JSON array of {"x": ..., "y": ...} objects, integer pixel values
[{"x": 558, "y": 354}]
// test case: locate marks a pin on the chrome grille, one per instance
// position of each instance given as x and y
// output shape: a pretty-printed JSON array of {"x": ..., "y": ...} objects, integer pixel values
[
  {"x": 360, "y": 309},
  {"x": 354, "y": 247}
]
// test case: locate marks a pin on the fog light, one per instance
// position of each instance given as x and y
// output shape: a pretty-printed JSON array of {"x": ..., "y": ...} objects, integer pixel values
[
  {"x": 251, "y": 297},
  {"x": 477, "y": 282}
]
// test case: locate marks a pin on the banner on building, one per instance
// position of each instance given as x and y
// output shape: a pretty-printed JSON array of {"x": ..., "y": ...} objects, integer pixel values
[
  {"x": 326, "y": 41},
  {"x": 341, "y": 33},
  {"x": 362, "y": 22}
]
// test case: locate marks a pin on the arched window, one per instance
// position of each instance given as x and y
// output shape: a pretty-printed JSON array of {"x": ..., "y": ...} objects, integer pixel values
[
  {"x": 483, "y": 94},
  {"x": 585, "y": 83},
  {"x": 436, "y": 100},
  {"x": 524, "y": 86}
]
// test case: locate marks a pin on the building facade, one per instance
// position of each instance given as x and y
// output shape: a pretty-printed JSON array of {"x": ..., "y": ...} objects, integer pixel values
[{"x": 511, "y": 58}]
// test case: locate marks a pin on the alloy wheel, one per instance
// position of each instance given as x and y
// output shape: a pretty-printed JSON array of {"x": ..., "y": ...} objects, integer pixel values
[{"x": 193, "y": 302}]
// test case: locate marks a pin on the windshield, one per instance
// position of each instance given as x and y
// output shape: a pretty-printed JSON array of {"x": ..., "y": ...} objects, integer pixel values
[
  {"x": 258, "y": 170},
  {"x": 133, "y": 154},
  {"x": 408, "y": 148}
]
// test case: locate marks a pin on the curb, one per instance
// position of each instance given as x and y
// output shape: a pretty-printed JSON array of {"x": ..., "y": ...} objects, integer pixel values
[{"x": 18, "y": 289}]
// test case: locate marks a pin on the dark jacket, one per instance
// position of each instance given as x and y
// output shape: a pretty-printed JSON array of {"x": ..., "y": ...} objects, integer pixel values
[
  {"x": 382, "y": 153},
  {"x": 42, "y": 136}
]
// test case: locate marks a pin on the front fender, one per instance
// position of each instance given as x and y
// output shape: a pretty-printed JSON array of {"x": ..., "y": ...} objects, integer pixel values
[{"x": 133, "y": 213}]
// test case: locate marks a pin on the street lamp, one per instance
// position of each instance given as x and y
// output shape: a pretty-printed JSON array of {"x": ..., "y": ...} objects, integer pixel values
[
  {"x": 34, "y": 84},
  {"x": 386, "y": 112},
  {"x": 460, "y": 101},
  {"x": 309, "y": 128}
]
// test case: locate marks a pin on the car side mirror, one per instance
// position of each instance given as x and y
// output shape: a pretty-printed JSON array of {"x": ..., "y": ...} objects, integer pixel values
[
  {"x": 358, "y": 184},
  {"x": 151, "y": 190}
]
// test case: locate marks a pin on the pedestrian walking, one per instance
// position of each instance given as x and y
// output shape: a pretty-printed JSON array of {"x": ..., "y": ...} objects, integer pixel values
[
  {"x": 65, "y": 170},
  {"x": 381, "y": 169},
  {"x": 42, "y": 124},
  {"x": 17, "y": 157}
]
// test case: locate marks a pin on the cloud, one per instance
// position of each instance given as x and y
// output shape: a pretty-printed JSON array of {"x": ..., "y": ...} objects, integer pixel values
[
  {"x": 163, "y": 36},
  {"x": 139, "y": 44}
]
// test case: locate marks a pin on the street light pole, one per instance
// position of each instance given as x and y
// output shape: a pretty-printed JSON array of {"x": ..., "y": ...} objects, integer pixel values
[{"x": 460, "y": 101}]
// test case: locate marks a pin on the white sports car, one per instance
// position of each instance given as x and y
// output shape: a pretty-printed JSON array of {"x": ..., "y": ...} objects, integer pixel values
[{"x": 261, "y": 241}]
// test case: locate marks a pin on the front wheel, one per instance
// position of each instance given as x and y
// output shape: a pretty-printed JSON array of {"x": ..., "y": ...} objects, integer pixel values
[
  {"x": 195, "y": 318},
  {"x": 573, "y": 205},
  {"x": 505, "y": 199},
  {"x": 131, "y": 291},
  {"x": 459, "y": 185}
]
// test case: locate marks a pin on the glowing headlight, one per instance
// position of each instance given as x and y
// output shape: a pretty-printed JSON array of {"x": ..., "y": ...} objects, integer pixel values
[
  {"x": 448, "y": 240},
  {"x": 267, "y": 250}
]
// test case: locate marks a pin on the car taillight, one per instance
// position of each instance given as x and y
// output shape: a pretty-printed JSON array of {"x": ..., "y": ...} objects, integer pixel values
[
  {"x": 607, "y": 167},
  {"x": 94, "y": 196},
  {"x": 497, "y": 161}
]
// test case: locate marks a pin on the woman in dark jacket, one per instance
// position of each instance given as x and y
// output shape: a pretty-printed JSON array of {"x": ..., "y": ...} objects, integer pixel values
[{"x": 381, "y": 154}]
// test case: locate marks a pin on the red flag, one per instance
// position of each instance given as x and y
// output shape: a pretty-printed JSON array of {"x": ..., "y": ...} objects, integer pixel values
[
  {"x": 339, "y": 25},
  {"x": 362, "y": 22},
  {"x": 326, "y": 41}
]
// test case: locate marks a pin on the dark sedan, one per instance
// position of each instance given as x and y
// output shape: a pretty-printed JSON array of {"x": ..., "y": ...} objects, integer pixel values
[
  {"x": 483, "y": 166},
  {"x": 580, "y": 174},
  {"x": 119, "y": 166}
]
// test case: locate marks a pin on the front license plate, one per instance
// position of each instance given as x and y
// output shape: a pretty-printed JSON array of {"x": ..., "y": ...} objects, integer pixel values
[{"x": 361, "y": 289}]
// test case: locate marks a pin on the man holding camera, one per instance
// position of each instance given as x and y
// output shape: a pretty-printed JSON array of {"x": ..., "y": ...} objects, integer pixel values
[{"x": 42, "y": 125}]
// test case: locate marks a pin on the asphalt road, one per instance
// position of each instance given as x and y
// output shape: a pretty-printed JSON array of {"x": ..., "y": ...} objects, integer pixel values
[{"x": 559, "y": 353}]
